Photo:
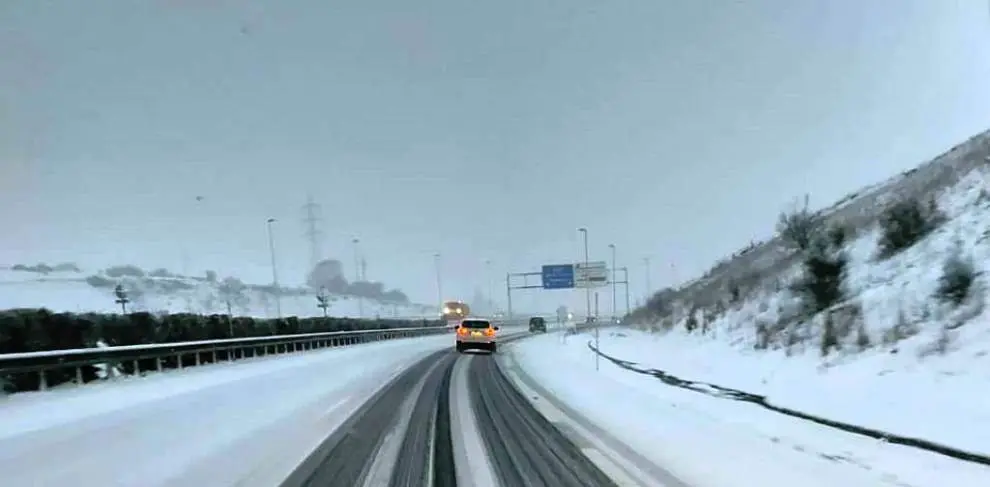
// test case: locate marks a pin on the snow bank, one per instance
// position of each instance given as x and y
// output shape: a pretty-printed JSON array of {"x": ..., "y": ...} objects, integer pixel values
[{"x": 716, "y": 442}]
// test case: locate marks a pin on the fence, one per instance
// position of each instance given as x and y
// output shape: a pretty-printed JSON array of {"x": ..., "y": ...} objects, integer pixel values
[{"x": 51, "y": 366}]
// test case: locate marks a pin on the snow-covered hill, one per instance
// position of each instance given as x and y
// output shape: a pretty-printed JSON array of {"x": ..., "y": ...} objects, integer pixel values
[
  {"x": 893, "y": 298},
  {"x": 894, "y": 353},
  {"x": 68, "y": 288}
]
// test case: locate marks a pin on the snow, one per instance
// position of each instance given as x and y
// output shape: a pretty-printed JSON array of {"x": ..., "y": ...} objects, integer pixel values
[
  {"x": 713, "y": 442},
  {"x": 68, "y": 291},
  {"x": 932, "y": 375},
  {"x": 181, "y": 427},
  {"x": 922, "y": 373}
]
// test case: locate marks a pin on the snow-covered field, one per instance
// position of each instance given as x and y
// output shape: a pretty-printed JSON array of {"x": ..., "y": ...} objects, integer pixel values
[
  {"x": 70, "y": 291},
  {"x": 247, "y": 423},
  {"x": 712, "y": 442}
]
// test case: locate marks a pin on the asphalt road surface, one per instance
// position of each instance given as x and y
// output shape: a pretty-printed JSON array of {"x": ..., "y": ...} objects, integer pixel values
[{"x": 450, "y": 419}]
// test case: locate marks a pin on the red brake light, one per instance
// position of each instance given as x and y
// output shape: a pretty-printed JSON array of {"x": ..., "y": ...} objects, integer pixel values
[
  {"x": 490, "y": 332},
  {"x": 461, "y": 330}
]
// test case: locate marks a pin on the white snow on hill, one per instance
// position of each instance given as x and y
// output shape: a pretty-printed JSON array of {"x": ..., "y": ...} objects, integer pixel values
[
  {"x": 75, "y": 290},
  {"x": 910, "y": 363}
]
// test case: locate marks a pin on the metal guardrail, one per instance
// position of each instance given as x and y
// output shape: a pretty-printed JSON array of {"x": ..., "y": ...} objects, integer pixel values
[{"x": 196, "y": 352}]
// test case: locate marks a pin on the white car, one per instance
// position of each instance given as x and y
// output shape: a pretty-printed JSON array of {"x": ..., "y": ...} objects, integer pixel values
[{"x": 476, "y": 334}]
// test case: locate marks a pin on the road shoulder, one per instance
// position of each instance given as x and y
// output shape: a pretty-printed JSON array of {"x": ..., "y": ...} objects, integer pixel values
[{"x": 623, "y": 464}]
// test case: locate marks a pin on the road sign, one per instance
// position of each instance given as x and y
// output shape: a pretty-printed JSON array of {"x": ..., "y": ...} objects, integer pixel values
[
  {"x": 595, "y": 274},
  {"x": 558, "y": 276}
]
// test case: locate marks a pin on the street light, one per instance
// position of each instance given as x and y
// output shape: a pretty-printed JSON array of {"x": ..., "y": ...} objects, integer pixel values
[
  {"x": 612, "y": 246},
  {"x": 587, "y": 288},
  {"x": 277, "y": 290},
  {"x": 436, "y": 259}
]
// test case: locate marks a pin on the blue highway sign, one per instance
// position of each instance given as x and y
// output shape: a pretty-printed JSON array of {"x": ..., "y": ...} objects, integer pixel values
[{"x": 558, "y": 276}]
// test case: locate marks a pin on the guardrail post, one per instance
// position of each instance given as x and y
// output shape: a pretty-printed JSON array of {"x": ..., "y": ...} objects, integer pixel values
[
  {"x": 158, "y": 363},
  {"x": 137, "y": 368},
  {"x": 214, "y": 355},
  {"x": 42, "y": 381},
  {"x": 198, "y": 361},
  {"x": 178, "y": 359},
  {"x": 79, "y": 377}
]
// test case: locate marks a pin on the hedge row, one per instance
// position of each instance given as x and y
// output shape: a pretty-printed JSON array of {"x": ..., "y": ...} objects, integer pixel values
[{"x": 35, "y": 330}]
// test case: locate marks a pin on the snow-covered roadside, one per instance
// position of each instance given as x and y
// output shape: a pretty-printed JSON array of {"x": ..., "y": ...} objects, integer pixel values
[
  {"x": 938, "y": 400},
  {"x": 707, "y": 441},
  {"x": 246, "y": 423}
]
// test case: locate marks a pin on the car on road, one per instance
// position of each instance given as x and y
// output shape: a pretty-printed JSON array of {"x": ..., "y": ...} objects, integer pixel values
[
  {"x": 537, "y": 324},
  {"x": 476, "y": 334}
]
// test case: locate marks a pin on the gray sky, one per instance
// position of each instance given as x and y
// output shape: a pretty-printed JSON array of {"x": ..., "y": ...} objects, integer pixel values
[{"x": 481, "y": 130}]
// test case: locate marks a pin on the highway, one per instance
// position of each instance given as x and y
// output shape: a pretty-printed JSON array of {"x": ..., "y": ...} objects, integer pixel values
[{"x": 448, "y": 420}]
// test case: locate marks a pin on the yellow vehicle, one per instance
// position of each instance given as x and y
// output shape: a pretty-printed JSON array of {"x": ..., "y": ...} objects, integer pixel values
[
  {"x": 455, "y": 311},
  {"x": 476, "y": 334}
]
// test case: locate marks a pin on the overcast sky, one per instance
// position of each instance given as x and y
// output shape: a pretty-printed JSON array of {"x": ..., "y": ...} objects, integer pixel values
[{"x": 479, "y": 130}]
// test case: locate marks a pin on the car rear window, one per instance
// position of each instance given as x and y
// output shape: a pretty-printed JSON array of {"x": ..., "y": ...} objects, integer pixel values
[{"x": 475, "y": 324}]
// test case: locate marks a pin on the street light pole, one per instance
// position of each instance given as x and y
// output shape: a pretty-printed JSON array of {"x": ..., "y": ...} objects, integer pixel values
[
  {"x": 357, "y": 275},
  {"x": 436, "y": 259},
  {"x": 277, "y": 290},
  {"x": 612, "y": 277},
  {"x": 649, "y": 287},
  {"x": 587, "y": 288},
  {"x": 491, "y": 296}
]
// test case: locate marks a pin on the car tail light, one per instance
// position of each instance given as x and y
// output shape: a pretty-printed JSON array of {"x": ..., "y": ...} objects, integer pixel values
[
  {"x": 490, "y": 332},
  {"x": 461, "y": 330}
]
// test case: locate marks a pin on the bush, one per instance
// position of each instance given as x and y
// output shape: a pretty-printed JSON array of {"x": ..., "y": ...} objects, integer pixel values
[
  {"x": 798, "y": 226},
  {"x": 820, "y": 285},
  {"x": 160, "y": 272},
  {"x": 906, "y": 222},
  {"x": 100, "y": 282},
  {"x": 66, "y": 267},
  {"x": 119, "y": 271},
  {"x": 395, "y": 296},
  {"x": 41, "y": 268},
  {"x": 35, "y": 330},
  {"x": 958, "y": 275}
]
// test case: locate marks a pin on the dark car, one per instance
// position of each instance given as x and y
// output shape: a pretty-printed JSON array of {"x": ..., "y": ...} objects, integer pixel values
[{"x": 537, "y": 324}]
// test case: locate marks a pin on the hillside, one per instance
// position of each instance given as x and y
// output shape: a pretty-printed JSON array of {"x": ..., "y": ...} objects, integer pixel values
[
  {"x": 902, "y": 342},
  {"x": 69, "y": 288},
  {"x": 753, "y": 287}
]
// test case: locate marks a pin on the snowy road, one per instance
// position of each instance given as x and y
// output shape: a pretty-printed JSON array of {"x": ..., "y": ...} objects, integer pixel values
[
  {"x": 248, "y": 422},
  {"x": 454, "y": 419},
  {"x": 399, "y": 413}
]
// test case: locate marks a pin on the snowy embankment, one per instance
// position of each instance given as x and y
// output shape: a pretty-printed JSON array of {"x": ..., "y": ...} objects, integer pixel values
[
  {"x": 73, "y": 291},
  {"x": 712, "y": 442},
  {"x": 918, "y": 369},
  {"x": 247, "y": 423}
]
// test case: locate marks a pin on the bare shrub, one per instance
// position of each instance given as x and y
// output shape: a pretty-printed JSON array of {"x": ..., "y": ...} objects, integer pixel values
[{"x": 798, "y": 226}]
